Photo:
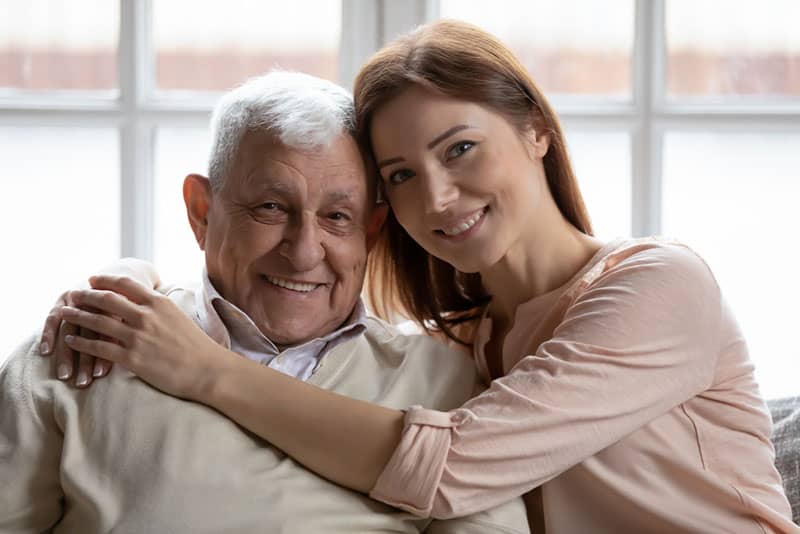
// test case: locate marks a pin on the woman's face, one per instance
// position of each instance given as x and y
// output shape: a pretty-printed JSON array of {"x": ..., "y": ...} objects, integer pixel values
[{"x": 461, "y": 179}]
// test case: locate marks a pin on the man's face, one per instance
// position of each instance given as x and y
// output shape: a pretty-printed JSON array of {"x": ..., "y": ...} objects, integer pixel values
[{"x": 286, "y": 237}]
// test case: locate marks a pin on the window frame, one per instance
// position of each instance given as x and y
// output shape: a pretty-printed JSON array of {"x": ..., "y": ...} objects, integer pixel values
[{"x": 138, "y": 110}]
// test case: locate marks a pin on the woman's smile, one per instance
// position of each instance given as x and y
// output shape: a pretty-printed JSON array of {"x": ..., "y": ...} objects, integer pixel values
[{"x": 463, "y": 227}]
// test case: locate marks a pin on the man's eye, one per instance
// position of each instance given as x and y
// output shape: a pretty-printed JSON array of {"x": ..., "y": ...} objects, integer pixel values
[
  {"x": 398, "y": 177},
  {"x": 459, "y": 148},
  {"x": 269, "y": 206},
  {"x": 338, "y": 216}
]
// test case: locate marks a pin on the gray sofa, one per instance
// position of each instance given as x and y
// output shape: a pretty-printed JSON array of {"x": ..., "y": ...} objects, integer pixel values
[{"x": 786, "y": 437}]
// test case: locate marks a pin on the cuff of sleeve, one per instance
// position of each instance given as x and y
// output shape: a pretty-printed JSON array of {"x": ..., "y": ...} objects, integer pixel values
[{"x": 410, "y": 479}]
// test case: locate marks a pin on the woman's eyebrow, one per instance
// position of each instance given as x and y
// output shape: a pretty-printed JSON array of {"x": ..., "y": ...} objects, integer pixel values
[
  {"x": 389, "y": 161},
  {"x": 438, "y": 139},
  {"x": 450, "y": 131}
]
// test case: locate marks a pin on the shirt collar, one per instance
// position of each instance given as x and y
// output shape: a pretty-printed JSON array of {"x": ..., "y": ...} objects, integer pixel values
[{"x": 220, "y": 327}]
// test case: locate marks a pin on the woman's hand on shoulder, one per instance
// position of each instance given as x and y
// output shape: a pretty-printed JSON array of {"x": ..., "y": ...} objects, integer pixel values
[
  {"x": 146, "y": 333},
  {"x": 82, "y": 367}
]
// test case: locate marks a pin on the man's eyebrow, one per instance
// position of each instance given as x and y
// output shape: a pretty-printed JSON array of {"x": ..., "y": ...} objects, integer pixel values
[
  {"x": 340, "y": 196},
  {"x": 432, "y": 144},
  {"x": 257, "y": 183}
]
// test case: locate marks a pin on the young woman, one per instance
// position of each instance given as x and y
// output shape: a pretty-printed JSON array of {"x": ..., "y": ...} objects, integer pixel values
[{"x": 622, "y": 396}]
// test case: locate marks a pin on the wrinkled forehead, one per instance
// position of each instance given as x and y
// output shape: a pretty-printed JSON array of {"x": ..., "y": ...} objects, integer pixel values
[{"x": 335, "y": 171}]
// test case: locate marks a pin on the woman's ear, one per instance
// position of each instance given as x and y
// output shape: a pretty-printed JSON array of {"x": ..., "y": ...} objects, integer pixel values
[
  {"x": 539, "y": 144},
  {"x": 197, "y": 196}
]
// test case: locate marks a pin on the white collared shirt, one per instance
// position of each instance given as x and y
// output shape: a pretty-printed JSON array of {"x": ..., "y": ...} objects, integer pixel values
[{"x": 234, "y": 329}]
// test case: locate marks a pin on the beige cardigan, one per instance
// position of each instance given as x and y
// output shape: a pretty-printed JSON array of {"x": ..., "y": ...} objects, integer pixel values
[{"x": 126, "y": 457}]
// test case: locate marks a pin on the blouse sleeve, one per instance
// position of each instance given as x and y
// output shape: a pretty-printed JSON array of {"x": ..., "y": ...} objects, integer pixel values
[{"x": 638, "y": 340}]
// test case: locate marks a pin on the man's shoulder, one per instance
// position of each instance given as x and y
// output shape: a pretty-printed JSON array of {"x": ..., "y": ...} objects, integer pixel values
[
  {"x": 25, "y": 373},
  {"x": 413, "y": 345},
  {"x": 183, "y": 294},
  {"x": 394, "y": 368},
  {"x": 24, "y": 356}
]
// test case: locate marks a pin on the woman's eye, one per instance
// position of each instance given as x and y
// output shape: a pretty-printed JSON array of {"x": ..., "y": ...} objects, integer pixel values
[
  {"x": 398, "y": 177},
  {"x": 459, "y": 148},
  {"x": 269, "y": 206}
]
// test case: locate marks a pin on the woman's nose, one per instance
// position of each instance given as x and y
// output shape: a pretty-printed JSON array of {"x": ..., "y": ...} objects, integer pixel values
[{"x": 439, "y": 193}]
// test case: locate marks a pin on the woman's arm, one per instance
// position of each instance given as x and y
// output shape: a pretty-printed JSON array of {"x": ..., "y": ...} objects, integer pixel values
[
  {"x": 653, "y": 320},
  {"x": 344, "y": 440},
  {"x": 54, "y": 331}
]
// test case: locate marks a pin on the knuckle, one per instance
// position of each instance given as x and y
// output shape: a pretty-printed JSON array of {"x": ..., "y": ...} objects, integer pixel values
[
  {"x": 149, "y": 313},
  {"x": 133, "y": 359},
  {"x": 138, "y": 317}
]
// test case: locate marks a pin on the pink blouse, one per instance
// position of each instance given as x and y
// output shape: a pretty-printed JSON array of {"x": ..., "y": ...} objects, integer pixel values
[{"x": 629, "y": 398}]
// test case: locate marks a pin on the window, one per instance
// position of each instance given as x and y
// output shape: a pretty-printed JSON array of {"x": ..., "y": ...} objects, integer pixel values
[
  {"x": 66, "y": 223},
  {"x": 209, "y": 56},
  {"x": 51, "y": 45},
  {"x": 682, "y": 118},
  {"x": 103, "y": 110}
]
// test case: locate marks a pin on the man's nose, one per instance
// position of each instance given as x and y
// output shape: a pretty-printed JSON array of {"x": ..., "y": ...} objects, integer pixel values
[
  {"x": 439, "y": 191},
  {"x": 302, "y": 245}
]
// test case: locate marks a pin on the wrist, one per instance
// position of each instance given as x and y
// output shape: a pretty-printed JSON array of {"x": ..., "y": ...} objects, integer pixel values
[{"x": 214, "y": 374}]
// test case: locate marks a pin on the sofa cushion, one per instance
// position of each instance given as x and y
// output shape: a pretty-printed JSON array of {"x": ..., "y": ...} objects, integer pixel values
[{"x": 786, "y": 437}]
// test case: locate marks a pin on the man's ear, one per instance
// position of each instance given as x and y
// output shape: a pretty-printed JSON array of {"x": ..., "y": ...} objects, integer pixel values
[
  {"x": 375, "y": 223},
  {"x": 197, "y": 196}
]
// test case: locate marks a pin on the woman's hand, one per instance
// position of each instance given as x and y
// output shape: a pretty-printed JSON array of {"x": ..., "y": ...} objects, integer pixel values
[
  {"x": 56, "y": 329},
  {"x": 146, "y": 333},
  {"x": 52, "y": 342}
]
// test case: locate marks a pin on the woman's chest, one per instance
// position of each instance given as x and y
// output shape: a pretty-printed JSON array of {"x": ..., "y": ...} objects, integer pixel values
[{"x": 505, "y": 345}]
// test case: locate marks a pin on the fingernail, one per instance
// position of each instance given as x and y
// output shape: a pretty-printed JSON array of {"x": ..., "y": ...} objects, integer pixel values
[
  {"x": 63, "y": 371},
  {"x": 44, "y": 348},
  {"x": 98, "y": 371},
  {"x": 83, "y": 379},
  {"x": 69, "y": 338}
]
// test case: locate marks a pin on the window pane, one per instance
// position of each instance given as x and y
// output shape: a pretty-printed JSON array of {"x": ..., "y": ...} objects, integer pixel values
[
  {"x": 54, "y": 45},
  {"x": 737, "y": 47},
  {"x": 59, "y": 215},
  {"x": 572, "y": 46},
  {"x": 179, "y": 151},
  {"x": 602, "y": 162},
  {"x": 735, "y": 201},
  {"x": 228, "y": 42}
]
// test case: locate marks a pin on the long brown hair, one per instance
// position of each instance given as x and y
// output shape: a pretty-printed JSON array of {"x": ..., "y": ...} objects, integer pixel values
[{"x": 462, "y": 61}]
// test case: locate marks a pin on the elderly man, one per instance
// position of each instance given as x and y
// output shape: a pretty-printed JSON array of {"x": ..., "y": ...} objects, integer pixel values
[{"x": 285, "y": 218}]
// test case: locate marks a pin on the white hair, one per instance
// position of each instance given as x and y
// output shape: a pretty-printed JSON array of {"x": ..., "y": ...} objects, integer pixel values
[{"x": 302, "y": 111}]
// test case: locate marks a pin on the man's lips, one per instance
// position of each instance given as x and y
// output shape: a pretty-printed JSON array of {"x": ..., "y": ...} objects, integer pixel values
[{"x": 292, "y": 285}]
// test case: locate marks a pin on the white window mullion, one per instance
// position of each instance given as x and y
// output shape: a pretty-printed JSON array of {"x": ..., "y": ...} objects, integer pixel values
[
  {"x": 401, "y": 17},
  {"x": 648, "y": 53},
  {"x": 360, "y": 37},
  {"x": 136, "y": 136}
]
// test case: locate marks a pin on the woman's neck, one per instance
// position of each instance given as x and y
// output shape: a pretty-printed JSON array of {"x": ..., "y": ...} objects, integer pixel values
[{"x": 537, "y": 264}]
